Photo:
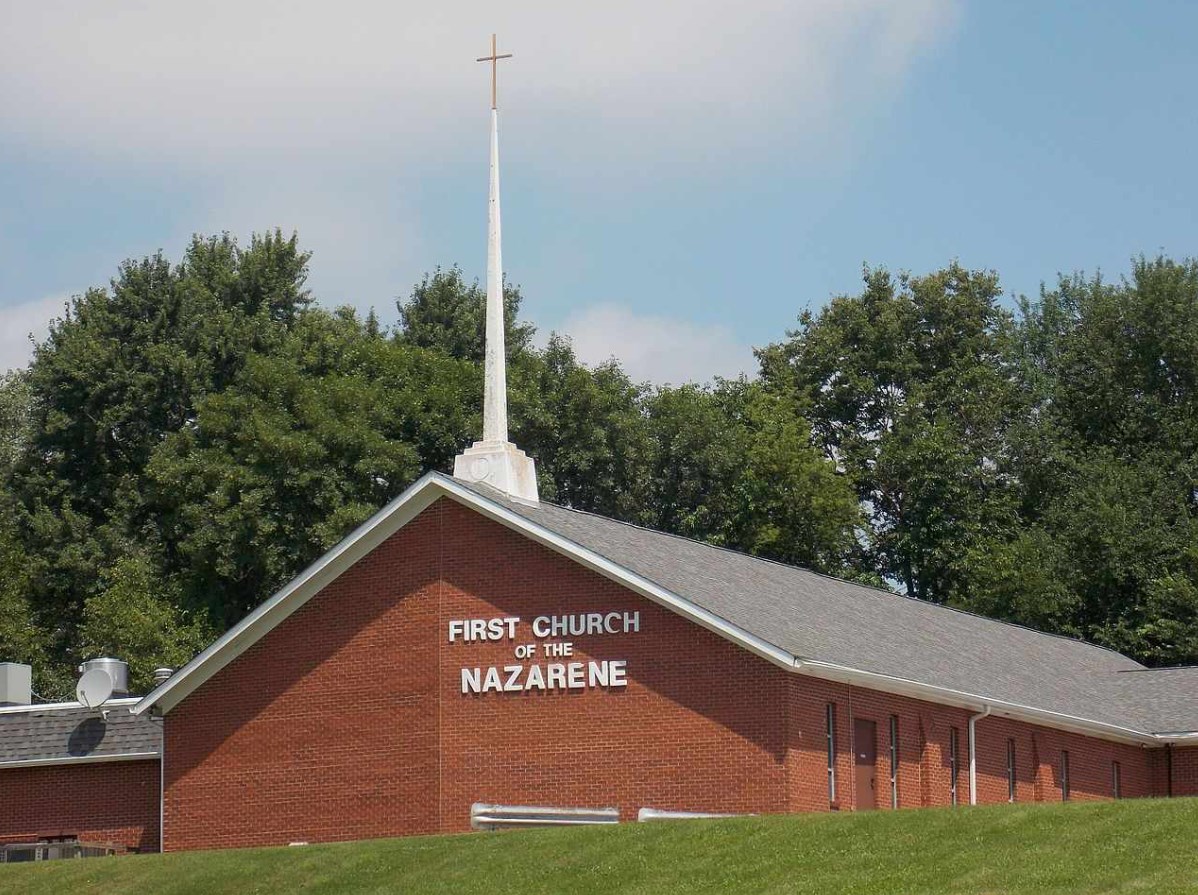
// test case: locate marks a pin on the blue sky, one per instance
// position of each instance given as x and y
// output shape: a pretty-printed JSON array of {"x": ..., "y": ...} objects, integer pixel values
[{"x": 678, "y": 181}]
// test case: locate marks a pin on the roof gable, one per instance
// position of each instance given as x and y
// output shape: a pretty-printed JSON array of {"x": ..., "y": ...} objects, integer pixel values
[
  {"x": 795, "y": 618},
  {"x": 374, "y": 532}
]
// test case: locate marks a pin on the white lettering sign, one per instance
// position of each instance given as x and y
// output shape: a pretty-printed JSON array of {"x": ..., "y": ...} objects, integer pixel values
[
  {"x": 472, "y": 629},
  {"x": 554, "y": 676},
  {"x": 570, "y": 675}
]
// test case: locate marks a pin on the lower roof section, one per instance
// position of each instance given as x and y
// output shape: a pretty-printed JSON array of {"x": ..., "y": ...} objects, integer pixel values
[{"x": 70, "y": 733}]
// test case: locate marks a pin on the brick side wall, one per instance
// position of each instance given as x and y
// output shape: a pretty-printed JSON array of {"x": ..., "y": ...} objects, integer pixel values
[
  {"x": 1185, "y": 771},
  {"x": 924, "y": 766},
  {"x": 115, "y": 801},
  {"x": 325, "y": 729},
  {"x": 348, "y": 720}
]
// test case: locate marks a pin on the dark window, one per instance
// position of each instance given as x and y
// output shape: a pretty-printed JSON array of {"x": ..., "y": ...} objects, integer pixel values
[
  {"x": 1116, "y": 780},
  {"x": 894, "y": 761},
  {"x": 831, "y": 723},
  {"x": 1064, "y": 776},
  {"x": 954, "y": 762},
  {"x": 1010, "y": 770}
]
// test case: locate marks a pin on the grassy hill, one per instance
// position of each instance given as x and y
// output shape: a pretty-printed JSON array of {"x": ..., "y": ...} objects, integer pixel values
[{"x": 1147, "y": 846}]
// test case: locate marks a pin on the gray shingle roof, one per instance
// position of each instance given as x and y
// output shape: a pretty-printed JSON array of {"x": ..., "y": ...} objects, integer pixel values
[
  {"x": 818, "y": 618},
  {"x": 1163, "y": 700},
  {"x": 75, "y": 733}
]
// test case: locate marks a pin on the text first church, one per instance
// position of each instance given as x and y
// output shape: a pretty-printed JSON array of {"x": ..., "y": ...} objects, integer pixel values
[{"x": 473, "y": 654}]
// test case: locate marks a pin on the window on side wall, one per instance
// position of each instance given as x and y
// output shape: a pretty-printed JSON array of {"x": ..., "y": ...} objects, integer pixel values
[
  {"x": 894, "y": 761},
  {"x": 1010, "y": 770},
  {"x": 831, "y": 726},
  {"x": 1116, "y": 780},
  {"x": 954, "y": 762},
  {"x": 1064, "y": 776}
]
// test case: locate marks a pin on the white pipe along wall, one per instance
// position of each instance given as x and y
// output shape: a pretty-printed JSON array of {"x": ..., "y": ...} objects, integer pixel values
[{"x": 973, "y": 754}]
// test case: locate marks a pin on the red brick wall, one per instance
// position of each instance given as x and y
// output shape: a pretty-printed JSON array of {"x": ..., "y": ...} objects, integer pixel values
[
  {"x": 326, "y": 728},
  {"x": 924, "y": 768},
  {"x": 114, "y": 801},
  {"x": 347, "y": 721},
  {"x": 1185, "y": 771}
]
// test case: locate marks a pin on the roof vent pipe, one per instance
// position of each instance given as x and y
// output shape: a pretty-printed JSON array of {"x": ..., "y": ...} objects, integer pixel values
[
  {"x": 162, "y": 675},
  {"x": 117, "y": 670}
]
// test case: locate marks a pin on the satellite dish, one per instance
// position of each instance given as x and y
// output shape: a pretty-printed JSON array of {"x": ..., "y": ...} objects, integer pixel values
[{"x": 94, "y": 688}]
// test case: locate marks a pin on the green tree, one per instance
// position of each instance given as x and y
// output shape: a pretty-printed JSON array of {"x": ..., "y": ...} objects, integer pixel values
[
  {"x": 1107, "y": 458},
  {"x": 734, "y": 465},
  {"x": 1115, "y": 364},
  {"x": 21, "y": 640},
  {"x": 447, "y": 314},
  {"x": 125, "y": 367},
  {"x": 908, "y": 389},
  {"x": 132, "y": 618},
  {"x": 585, "y": 427},
  {"x": 16, "y": 419},
  {"x": 306, "y": 444},
  {"x": 118, "y": 374}
]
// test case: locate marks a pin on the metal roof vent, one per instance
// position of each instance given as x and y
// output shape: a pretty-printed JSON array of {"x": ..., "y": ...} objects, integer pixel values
[
  {"x": 115, "y": 668},
  {"x": 162, "y": 675},
  {"x": 16, "y": 683}
]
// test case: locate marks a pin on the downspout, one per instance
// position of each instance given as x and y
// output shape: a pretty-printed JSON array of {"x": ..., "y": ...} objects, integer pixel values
[
  {"x": 159, "y": 721},
  {"x": 973, "y": 754}
]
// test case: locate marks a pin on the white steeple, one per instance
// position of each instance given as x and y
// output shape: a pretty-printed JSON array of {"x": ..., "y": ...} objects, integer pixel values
[
  {"x": 495, "y": 460},
  {"x": 495, "y": 384}
]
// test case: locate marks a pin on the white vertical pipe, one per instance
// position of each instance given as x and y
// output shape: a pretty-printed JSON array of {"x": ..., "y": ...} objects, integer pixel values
[{"x": 973, "y": 754}]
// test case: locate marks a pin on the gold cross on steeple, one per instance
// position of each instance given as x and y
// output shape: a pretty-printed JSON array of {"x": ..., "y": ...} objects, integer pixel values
[{"x": 494, "y": 60}]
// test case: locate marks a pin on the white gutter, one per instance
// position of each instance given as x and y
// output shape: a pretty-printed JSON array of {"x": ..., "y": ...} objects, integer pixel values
[
  {"x": 948, "y": 696},
  {"x": 973, "y": 754},
  {"x": 1178, "y": 738},
  {"x": 64, "y": 706},
  {"x": 77, "y": 759}
]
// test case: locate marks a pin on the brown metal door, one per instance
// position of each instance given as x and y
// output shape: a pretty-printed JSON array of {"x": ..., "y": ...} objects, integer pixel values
[{"x": 865, "y": 751}]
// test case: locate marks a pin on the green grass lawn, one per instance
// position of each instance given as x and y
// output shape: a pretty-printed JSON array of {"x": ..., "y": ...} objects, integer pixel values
[{"x": 1132, "y": 846}]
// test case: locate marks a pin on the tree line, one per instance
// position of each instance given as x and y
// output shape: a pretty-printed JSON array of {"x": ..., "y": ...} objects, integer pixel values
[{"x": 189, "y": 438}]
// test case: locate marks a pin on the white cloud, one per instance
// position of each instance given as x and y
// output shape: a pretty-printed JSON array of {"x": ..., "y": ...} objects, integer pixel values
[
  {"x": 152, "y": 82},
  {"x": 363, "y": 239},
  {"x": 18, "y": 322},
  {"x": 656, "y": 348},
  {"x": 343, "y": 120}
]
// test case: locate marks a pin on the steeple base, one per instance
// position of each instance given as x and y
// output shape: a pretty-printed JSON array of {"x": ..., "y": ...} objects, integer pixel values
[{"x": 501, "y": 465}]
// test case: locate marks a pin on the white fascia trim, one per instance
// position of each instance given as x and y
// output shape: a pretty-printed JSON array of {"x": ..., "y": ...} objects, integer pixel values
[
  {"x": 294, "y": 594},
  {"x": 615, "y": 572},
  {"x": 975, "y": 701},
  {"x": 59, "y": 706},
  {"x": 1179, "y": 738},
  {"x": 77, "y": 759}
]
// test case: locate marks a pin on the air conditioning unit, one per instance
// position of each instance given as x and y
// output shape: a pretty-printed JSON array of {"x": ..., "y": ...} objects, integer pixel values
[{"x": 21, "y": 852}]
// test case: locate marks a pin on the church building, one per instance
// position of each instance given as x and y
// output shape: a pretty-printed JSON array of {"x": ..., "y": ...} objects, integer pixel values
[{"x": 474, "y": 657}]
